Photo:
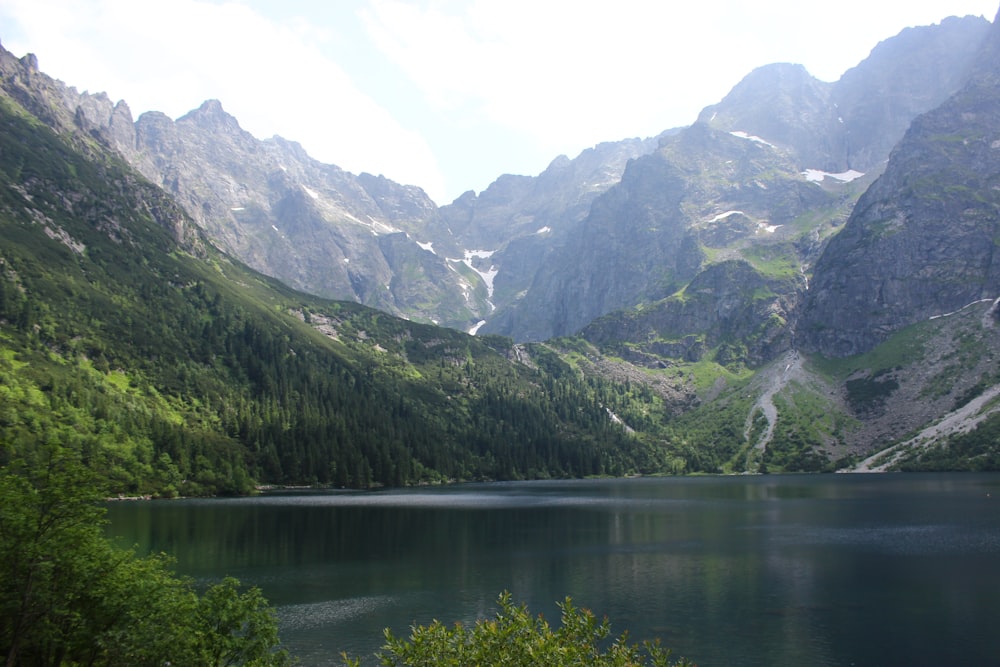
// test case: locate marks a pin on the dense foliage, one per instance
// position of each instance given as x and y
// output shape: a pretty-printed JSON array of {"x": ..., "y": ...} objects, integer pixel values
[
  {"x": 68, "y": 597},
  {"x": 516, "y": 638}
]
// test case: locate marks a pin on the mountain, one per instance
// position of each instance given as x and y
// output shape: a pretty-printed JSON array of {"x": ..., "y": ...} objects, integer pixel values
[
  {"x": 801, "y": 279},
  {"x": 698, "y": 199},
  {"x": 312, "y": 225},
  {"x": 331, "y": 233},
  {"x": 854, "y": 122},
  {"x": 170, "y": 367},
  {"x": 779, "y": 152},
  {"x": 520, "y": 221},
  {"x": 921, "y": 241},
  {"x": 888, "y": 359},
  {"x": 507, "y": 260},
  {"x": 840, "y": 336}
]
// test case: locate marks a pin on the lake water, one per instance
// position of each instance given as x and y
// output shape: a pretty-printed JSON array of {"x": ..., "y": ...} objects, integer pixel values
[{"x": 729, "y": 571}]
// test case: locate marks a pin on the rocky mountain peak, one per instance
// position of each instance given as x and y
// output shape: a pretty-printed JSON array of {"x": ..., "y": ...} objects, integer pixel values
[
  {"x": 30, "y": 62},
  {"x": 784, "y": 105},
  {"x": 904, "y": 76},
  {"x": 559, "y": 162},
  {"x": 779, "y": 78},
  {"x": 211, "y": 116}
]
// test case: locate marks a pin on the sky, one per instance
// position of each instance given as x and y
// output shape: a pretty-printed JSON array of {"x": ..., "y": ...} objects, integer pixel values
[{"x": 447, "y": 94}]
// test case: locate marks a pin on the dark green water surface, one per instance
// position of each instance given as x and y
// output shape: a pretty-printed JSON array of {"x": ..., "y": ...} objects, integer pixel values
[{"x": 767, "y": 570}]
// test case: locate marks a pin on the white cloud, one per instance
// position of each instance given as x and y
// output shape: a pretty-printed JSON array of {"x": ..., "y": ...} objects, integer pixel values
[
  {"x": 171, "y": 55},
  {"x": 574, "y": 72},
  {"x": 498, "y": 86},
  {"x": 565, "y": 72}
]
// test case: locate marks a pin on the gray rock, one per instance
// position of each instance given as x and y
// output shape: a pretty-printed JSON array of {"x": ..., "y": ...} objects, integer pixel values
[{"x": 922, "y": 240}]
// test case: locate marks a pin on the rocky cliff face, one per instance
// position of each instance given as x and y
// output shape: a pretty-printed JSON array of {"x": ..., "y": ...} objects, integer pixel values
[
  {"x": 774, "y": 162},
  {"x": 703, "y": 197},
  {"x": 729, "y": 307},
  {"x": 520, "y": 222},
  {"x": 922, "y": 241},
  {"x": 556, "y": 199},
  {"x": 312, "y": 225},
  {"x": 905, "y": 76},
  {"x": 83, "y": 120},
  {"x": 788, "y": 107}
]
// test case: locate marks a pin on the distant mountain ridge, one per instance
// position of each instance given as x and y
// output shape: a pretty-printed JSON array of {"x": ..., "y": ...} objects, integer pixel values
[
  {"x": 321, "y": 229},
  {"x": 784, "y": 115},
  {"x": 855, "y": 121},
  {"x": 504, "y": 261}
]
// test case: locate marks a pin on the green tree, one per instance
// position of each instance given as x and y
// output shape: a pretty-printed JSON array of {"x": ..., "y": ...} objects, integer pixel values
[
  {"x": 515, "y": 638},
  {"x": 69, "y": 597}
]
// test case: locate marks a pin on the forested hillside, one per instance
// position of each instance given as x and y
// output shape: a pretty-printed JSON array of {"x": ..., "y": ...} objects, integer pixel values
[{"x": 177, "y": 370}]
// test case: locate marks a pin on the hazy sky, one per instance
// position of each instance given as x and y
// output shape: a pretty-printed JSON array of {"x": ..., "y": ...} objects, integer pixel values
[{"x": 447, "y": 94}]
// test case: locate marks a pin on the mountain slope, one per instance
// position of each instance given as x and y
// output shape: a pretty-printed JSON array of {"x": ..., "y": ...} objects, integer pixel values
[
  {"x": 922, "y": 240},
  {"x": 894, "y": 335},
  {"x": 703, "y": 197},
  {"x": 729, "y": 320},
  {"x": 507, "y": 260},
  {"x": 171, "y": 372},
  {"x": 314, "y": 226},
  {"x": 854, "y": 122},
  {"x": 642, "y": 239}
]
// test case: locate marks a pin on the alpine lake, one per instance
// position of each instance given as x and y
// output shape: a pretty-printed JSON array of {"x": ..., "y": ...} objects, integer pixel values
[{"x": 898, "y": 569}]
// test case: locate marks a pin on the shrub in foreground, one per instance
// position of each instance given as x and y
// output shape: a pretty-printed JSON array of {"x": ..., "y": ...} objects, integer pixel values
[
  {"x": 69, "y": 597},
  {"x": 515, "y": 638}
]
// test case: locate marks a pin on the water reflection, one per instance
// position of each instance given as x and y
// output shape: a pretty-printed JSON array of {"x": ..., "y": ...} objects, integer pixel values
[{"x": 730, "y": 571}]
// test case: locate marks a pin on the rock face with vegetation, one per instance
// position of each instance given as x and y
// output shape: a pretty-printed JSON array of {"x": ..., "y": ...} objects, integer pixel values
[
  {"x": 507, "y": 260},
  {"x": 314, "y": 226},
  {"x": 782, "y": 150},
  {"x": 854, "y": 122},
  {"x": 922, "y": 240},
  {"x": 743, "y": 298},
  {"x": 699, "y": 199}
]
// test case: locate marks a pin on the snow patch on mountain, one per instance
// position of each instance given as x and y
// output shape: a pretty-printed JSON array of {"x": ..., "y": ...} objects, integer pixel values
[
  {"x": 487, "y": 275},
  {"x": 723, "y": 216},
  {"x": 750, "y": 137},
  {"x": 817, "y": 176}
]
